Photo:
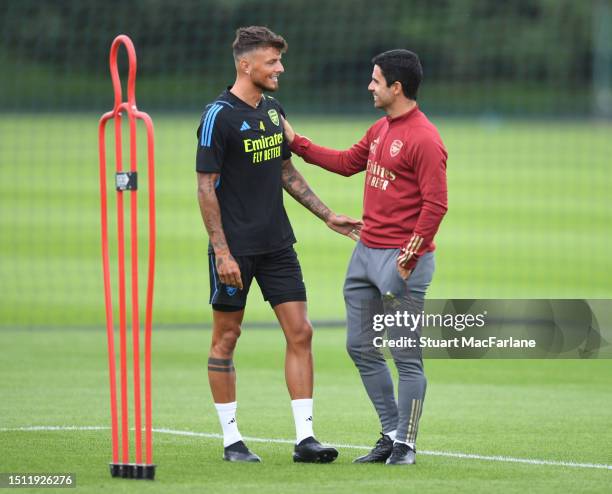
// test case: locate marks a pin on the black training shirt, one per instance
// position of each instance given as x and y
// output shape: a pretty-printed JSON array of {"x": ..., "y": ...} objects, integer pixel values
[{"x": 247, "y": 147}]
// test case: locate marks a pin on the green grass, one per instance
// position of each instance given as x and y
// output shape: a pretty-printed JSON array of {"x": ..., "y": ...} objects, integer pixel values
[
  {"x": 547, "y": 410},
  {"x": 528, "y": 216}
]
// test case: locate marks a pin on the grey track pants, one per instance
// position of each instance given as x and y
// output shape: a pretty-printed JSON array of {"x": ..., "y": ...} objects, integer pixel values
[{"x": 374, "y": 285}]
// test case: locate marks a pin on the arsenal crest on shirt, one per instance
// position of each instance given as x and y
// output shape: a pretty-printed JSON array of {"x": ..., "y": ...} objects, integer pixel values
[{"x": 395, "y": 148}]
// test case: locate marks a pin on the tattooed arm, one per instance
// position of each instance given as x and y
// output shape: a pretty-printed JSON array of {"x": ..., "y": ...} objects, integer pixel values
[
  {"x": 298, "y": 188},
  {"x": 227, "y": 267}
]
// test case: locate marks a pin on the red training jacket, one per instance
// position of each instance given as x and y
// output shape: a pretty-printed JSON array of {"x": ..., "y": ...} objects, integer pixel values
[{"x": 405, "y": 194}]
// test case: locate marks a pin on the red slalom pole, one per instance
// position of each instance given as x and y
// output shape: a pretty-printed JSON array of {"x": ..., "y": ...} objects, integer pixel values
[{"x": 126, "y": 181}]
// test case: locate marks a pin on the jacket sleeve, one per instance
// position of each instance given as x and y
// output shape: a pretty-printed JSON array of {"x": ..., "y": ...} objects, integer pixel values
[
  {"x": 429, "y": 159},
  {"x": 345, "y": 163}
]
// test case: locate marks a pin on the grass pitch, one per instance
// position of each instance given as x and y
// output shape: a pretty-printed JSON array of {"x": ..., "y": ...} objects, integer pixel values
[
  {"x": 529, "y": 217},
  {"x": 544, "y": 410}
]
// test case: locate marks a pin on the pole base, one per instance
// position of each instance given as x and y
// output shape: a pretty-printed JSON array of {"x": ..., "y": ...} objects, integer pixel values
[{"x": 132, "y": 471}]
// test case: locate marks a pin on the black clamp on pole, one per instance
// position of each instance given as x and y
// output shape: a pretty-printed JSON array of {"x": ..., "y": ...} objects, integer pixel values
[{"x": 126, "y": 181}]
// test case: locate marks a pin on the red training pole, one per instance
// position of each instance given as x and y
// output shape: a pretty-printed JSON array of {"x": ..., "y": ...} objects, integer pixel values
[
  {"x": 107, "y": 288},
  {"x": 150, "y": 280},
  {"x": 127, "y": 181}
]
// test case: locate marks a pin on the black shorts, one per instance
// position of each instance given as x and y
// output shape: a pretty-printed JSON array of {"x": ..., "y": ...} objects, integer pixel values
[{"x": 278, "y": 275}]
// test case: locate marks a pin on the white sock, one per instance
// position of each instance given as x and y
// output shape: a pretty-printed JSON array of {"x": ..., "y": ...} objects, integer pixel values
[
  {"x": 302, "y": 415},
  {"x": 227, "y": 417},
  {"x": 392, "y": 434}
]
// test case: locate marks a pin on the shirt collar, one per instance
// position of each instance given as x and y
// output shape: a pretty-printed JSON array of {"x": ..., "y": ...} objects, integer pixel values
[
  {"x": 236, "y": 99},
  {"x": 404, "y": 116}
]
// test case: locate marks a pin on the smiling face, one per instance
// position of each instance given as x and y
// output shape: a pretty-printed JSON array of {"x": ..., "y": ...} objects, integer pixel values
[
  {"x": 263, "y": 66},
  {"x": 383, "y": 96}
]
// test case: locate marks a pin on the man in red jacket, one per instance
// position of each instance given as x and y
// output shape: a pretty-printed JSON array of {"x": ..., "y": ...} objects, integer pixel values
[{"x": 404, "y": 201}]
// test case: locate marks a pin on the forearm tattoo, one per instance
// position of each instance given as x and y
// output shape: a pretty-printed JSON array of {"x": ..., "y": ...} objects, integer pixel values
[
  {"x": 211, "y": 214},
  {"x": 298, "y": 188}
]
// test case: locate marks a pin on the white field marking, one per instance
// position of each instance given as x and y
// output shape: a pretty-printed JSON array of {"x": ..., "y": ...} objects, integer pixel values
[{"x": 209, "y": 435}]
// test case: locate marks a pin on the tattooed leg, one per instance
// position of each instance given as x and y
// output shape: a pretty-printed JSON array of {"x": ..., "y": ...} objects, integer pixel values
[{"x": 221, "y": 372}]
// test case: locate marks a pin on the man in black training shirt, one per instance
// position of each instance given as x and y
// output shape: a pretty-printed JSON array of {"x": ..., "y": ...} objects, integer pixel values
[{"x": 243, "y": 164}]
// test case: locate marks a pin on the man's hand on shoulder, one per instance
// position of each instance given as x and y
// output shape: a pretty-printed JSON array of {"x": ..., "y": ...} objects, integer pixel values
[
  {"x": 289, "y": 132},
  {"x": 345, "y": 225}
]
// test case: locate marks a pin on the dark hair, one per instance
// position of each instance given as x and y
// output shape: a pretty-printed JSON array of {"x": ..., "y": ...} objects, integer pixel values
[
  {"x": 401, "y": 66},
  {"x": 253, "y": 37}
]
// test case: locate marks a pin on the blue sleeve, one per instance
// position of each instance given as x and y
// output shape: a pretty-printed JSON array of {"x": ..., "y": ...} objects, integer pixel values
[{"x": 211, "y": 141}]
